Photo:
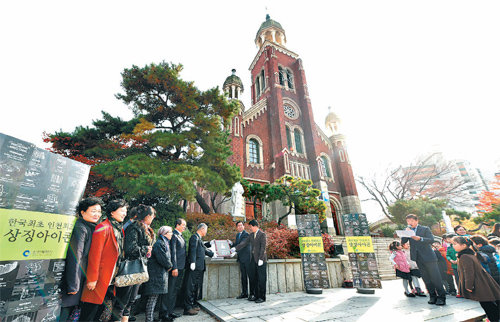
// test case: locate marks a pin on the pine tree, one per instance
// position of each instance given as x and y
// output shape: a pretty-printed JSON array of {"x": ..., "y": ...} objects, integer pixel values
[{"x": 174, "y": 146}]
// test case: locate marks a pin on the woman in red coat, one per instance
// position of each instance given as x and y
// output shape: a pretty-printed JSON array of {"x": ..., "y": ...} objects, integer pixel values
[{"x": 105, "y": 251}]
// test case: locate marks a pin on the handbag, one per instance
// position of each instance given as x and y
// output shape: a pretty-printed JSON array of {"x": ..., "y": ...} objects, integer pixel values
[{"x": 132, "y": 272}]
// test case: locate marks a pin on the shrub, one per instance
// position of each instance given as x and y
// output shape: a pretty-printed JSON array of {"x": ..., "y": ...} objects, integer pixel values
[
  {"x": 327, "y": 244},
  {"x": 387, "y": 231},
  {"x": 282, "y": 242},
  {"x": 220, "y": 226}
]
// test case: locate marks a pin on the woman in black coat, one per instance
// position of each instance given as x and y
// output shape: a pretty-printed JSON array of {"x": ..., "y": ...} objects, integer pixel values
[
  {"x": 158, "y": 267},
  {"x": 89, "y": 213},
  {"x": 139, "y": 239}
]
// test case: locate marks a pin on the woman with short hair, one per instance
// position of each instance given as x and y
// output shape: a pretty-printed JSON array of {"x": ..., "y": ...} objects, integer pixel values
[{"x": 89, "y": 212}]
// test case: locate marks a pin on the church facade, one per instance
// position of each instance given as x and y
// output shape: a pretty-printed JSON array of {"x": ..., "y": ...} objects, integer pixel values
[{"x": 277, "y": 134}]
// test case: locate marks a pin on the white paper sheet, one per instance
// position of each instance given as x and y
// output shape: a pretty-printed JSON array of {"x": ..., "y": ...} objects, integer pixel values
[{"x": 405, "y": 233}]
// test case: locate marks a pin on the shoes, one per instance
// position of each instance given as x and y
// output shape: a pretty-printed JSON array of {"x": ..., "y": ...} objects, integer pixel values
[
  {"x": 459, "y": 296},
  {"x": 242, "y": 296},
  {"x": 453, "y": 293},
  {"x": 175, "y": 315},
  {"x": 409, "y": 294},
  {"x": 441, "y": 301},
  {"x": 419, "y": 292},
  {"x": 197, "y": 308},
  {"x": 167, "y": 319},
  {"x": 252, "y": 298},
  {"x": 132, "y": 318},
  {"x": 259, "y": 301},
  {"x": 191, "y": 312},
  {"x": 432, "y": 300}
]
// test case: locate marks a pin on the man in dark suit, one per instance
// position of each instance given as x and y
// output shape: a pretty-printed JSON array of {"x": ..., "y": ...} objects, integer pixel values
[
  {"x": 258, "y": 262},
  {"x": 196, "y": 261},
  {"x": 243, "y": 258},
  {"x": 422, "y": 253},
  {"x": 178, "y": 257}
]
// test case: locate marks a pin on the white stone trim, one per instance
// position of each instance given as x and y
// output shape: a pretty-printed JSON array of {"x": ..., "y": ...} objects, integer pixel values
[
  {"x": 260, "y": 164},
  {"x": 258, "y": 180},
  {"x": 324, "y": 137},
  {"x": 285, "y": 85},
  {"x": 236, "y": 126},
  {"x": 277, "y": 47},
  {"x": 286, "y": 160},
  {"x": 295, "y": 106},
  {"x": 329, "y": 165},
  {"x": 254, "y": 112},
  {"x": 294, "y": 152},
  {"x": 300, "y": 170}
]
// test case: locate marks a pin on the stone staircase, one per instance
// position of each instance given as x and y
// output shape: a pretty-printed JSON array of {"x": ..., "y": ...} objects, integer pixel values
[{"x": 381, "y": 249}]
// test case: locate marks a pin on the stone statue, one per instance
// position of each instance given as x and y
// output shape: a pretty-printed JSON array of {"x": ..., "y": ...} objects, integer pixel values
[{"x": 237, "y": 200}]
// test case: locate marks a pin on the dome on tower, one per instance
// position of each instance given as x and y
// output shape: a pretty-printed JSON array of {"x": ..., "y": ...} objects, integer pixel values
[
  {"x": 233, "y": 80},
  {"x": 332, "y": 121},
  {"x": 270, "y": 30},
  {"x": 233, "y": 85}
]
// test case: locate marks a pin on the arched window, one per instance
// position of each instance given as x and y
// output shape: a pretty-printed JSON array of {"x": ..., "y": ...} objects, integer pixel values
[
  {"x": 326, "y": 167},
  {"x": 257, "y": 86},
  {"x": 289, "y": 78},
  {"x": 298, "y": 141},
  {"x": 253, "y": 151},
  {"x": 289, "y": 141},
  {"x": 263, "y": 80},
  {"x": 281, "y": 75}
]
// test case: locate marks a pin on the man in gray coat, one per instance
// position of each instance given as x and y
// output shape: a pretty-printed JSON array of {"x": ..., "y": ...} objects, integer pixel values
[{"x": 258, "y": 262}]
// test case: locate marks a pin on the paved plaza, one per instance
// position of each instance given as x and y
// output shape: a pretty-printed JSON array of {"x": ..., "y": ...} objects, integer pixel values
[{"x": 387, "y": 304}]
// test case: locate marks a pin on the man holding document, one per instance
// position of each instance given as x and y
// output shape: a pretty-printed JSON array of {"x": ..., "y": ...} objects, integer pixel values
[{"x": 421, "y": 239}]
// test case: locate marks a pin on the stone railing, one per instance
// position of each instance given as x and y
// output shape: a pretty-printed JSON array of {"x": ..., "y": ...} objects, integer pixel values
[{"x": 222, "y": 277}]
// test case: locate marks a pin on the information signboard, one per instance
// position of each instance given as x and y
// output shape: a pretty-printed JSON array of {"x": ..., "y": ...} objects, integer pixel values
[
  {"x": 39, "y": 191},
  {"x": 360, "y": 251},
  {"x": 312, "y": 252}
]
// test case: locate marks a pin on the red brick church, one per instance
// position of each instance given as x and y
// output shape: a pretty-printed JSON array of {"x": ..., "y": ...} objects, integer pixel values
[{"x": 278, "y": 136}]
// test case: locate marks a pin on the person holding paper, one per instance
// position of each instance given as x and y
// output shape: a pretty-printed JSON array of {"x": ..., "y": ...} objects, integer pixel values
[
  {"x": 196, "y": 265},
  {"x": 422, "y": 253},
  {"x": 258, "y": 262}
]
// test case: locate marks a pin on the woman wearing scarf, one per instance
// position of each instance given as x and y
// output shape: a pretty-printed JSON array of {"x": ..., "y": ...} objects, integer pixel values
[
  {"x": 159, "y": 265},
  {"x": 89, "y": 213},
  {"x": 104, "y": 256}
]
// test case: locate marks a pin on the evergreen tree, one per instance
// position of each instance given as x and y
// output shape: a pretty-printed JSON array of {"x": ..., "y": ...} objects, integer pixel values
[{"x": 174, "y": 146}]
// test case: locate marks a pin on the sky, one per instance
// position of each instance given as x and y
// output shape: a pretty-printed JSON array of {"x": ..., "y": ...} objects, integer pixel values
[{"x": 404, "y": 76}]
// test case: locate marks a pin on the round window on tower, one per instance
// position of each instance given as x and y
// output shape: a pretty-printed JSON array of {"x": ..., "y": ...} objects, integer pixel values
[{"x": 290, "y": 111}]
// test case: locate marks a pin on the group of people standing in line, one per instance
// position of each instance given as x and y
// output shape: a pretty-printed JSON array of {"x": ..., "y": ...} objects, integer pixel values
[
  {"x": 469, "y": 262},
  {"x": 97, "y": 247}
]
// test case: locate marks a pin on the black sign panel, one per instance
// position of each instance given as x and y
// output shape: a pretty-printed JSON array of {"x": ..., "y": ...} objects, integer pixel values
[
  {"x": 363, "y": 264},
  {"x": 311, "y": 250}
]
